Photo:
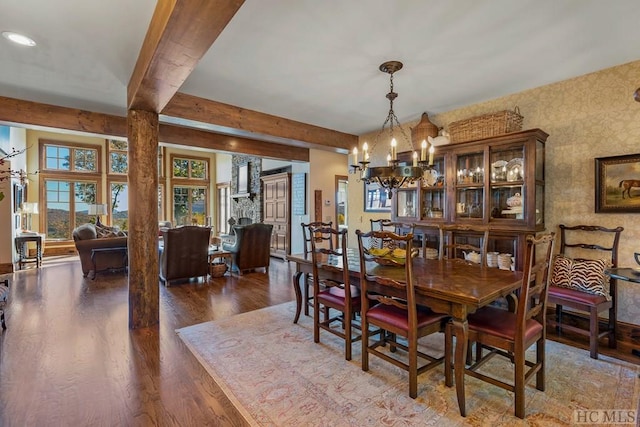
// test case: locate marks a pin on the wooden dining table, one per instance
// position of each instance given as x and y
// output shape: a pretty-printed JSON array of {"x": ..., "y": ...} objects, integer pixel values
[{"x": 453, "y": 287}]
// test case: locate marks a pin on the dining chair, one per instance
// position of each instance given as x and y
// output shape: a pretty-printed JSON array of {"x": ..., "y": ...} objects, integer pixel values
[
  {"x": 326, "y": 241},
  {"x": 388, "y": 303},
  {"x": 578, "y": 280},
  {"x": 460, "y": 241},
  {"x": 399, "y": 228},
  {"x": 428, "y": 233},
  {"x": 332, "y": 289},
  {"x": 510, "y": 334}
]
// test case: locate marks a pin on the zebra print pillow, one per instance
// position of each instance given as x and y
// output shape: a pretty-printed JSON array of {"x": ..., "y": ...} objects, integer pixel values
[{"x": 582, "y": 275}]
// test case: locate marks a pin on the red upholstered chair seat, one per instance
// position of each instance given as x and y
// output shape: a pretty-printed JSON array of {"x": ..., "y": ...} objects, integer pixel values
[
  {"x": 501, "y": 323},
  {"x": 397, "y": 316},
  {"x": 575, "y": 295},
  {"x": 336, "y": 296}
]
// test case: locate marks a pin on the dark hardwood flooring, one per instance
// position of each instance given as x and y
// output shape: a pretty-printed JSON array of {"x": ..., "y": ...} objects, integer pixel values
[{"x": 69, "y": 359}]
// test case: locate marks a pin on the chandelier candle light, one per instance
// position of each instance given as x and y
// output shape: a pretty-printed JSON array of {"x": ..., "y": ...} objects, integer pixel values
[{"x": 393, "y": 175}]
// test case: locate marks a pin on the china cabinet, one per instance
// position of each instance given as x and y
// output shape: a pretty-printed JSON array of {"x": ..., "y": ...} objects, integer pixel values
[{"x": 496, "y": 182}]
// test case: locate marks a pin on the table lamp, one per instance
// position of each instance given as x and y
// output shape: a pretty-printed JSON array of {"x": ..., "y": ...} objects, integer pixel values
[
  {"x": 97, "y": 210},
  {"x": 28, "y": 209}
]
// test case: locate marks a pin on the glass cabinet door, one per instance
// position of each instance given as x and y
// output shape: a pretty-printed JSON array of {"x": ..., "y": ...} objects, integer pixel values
[
  {"x": 433, "y": 190},
  {"x": 407, "y": 203},
  {"x": 507, "y": 184},
  {"x": 469, "y": 178}
]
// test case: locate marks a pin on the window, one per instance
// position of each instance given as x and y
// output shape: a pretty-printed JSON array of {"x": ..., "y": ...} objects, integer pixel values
[
  {"x": 119, "y": 204},
  {"x": 190, "y": 168},
  {"x": 67, "y": 206},
  {"x": 189, "y": 205},
  {"x": 224, "y": 207},
  {"x": 71, "y": 180},
  {"x": 118, "y": 156},
  {"x": 68, "y": 158}
]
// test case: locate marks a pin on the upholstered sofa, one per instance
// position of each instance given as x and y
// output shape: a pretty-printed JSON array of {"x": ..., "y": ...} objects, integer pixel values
[
  {"x": 184, "y": 253},
  {"x": 252, "y": 247},
  {"x": 86, "y": 238}
]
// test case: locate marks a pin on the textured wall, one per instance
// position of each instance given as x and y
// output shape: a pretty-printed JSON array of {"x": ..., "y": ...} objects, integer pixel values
[
  {"x": 586, "y": 117},
  {"x": 250, "y": 207}
]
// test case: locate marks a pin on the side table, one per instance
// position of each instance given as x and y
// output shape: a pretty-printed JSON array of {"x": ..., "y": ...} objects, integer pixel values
[
  {"x": 629, "y": 275},
  {"x": 22, "y": 247}
]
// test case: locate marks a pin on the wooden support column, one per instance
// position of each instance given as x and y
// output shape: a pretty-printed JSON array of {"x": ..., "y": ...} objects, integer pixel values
[{"x": 144, "y": 294}]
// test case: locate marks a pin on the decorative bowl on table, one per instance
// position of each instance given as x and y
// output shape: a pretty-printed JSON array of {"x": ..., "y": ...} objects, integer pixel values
[{"x": 391, "y": 257}]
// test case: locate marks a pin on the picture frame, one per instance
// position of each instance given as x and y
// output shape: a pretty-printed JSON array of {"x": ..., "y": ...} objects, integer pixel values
[
  {"x": 376, "y": 198},
  {"x": 617, "y": 182},
  {"x": 18, "y": 197}
]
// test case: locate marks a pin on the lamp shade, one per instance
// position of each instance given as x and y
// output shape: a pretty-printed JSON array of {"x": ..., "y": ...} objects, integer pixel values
[
  {"x": 100, "y": 209},
  {"x": 30, "y": 207}
]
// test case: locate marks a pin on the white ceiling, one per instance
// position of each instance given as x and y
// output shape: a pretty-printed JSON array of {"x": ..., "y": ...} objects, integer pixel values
[{"x": 317, "y": 61}]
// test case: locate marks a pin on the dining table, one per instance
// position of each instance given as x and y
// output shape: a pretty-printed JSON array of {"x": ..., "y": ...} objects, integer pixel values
[{"x": 450, "y": 286}]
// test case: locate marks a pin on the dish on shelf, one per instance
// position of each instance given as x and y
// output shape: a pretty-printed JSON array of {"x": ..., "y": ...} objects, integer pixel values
[
  {"x": 430, "y": 177},
  {"x": 514, "y": 170},
  {"x": 499, "y": 170}
]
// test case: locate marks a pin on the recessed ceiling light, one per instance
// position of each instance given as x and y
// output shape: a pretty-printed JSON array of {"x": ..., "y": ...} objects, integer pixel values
[{"x": 18, "y": 38}]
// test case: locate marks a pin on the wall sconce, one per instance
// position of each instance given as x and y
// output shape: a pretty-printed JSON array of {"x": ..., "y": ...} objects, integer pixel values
[
  {"x": 28, "y": 209},
  {"x": 98, "y": 210}
]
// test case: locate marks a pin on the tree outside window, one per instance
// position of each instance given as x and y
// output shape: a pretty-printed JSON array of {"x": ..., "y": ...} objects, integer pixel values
[{"x": 189, "y": 205}]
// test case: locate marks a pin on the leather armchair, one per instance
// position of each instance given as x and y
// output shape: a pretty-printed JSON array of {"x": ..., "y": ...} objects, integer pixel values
[
  {"x": 185, "y": 253},
  {"x": 252, "y": 247}
]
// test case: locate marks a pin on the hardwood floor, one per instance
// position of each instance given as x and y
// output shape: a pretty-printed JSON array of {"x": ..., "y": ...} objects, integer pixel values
[{"x": 69, "y": 359}]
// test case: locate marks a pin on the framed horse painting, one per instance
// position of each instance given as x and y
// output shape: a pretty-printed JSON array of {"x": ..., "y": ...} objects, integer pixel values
[{"x": 618, "y": 184}]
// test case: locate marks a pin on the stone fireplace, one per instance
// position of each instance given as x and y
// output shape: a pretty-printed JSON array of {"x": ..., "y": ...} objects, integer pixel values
[{"x": 246, "y": 205}]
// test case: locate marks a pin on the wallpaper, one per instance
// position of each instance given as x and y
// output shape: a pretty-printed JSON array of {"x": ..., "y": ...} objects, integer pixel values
[{"x": 586, "y": 117}]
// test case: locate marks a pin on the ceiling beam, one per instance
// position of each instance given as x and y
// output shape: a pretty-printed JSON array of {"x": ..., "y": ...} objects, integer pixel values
[
  {"x": 34, "y": 114},
  {"x": 173, "y": 134},
  {"x": 52, "y": 116},
  {"x": 193, "y": 108},
  {"x": 180, "y": 33}
]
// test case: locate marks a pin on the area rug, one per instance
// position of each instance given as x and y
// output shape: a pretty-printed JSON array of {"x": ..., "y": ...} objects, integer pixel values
[{"x": 276, "y": 375}]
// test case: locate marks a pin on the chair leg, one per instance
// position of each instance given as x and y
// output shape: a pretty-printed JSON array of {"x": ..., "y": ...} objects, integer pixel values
[
  {"x": 558, "y": 319},
  {"x": 4, "y": 326},
  {"x": 448, "y": 353},
  {"x": 519, "y": 383},
  {"x": 316, "y": 320},
  {"x": 594, "y": 332},
  {"x": 413, "y": 367},
  {"x": 540, "y": 359},
  {"x": 613, "y": 327},
  {"x": 364, "y": 358},
  {"x": 347, "y": 335},
  {"x": 305, "y": 280}
]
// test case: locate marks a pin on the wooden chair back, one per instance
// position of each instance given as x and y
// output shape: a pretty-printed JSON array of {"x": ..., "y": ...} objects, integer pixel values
[
  {"x": 584, "y": 242},
  {"x": 398, "y": 228},
  {"x": 455, "y": 241},
  {"x": 308, "y": 235}
]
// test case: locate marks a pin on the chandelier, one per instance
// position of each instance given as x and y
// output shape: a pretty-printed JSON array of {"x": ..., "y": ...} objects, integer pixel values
[{"x": 393, "y": 175}]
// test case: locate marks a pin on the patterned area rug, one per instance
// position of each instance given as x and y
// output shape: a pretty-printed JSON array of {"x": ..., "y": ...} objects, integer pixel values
[{"x": 276, "y": 376}]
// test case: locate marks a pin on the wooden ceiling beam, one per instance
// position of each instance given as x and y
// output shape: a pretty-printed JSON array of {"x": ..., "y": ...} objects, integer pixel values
[
  {"x": 180, "y": 33},
  {"x": 52, "y": 116},
  {"x": 173, "y": 134},
  {"x": 19, "y": 112},
  {"x": 300, "y": 134}
]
